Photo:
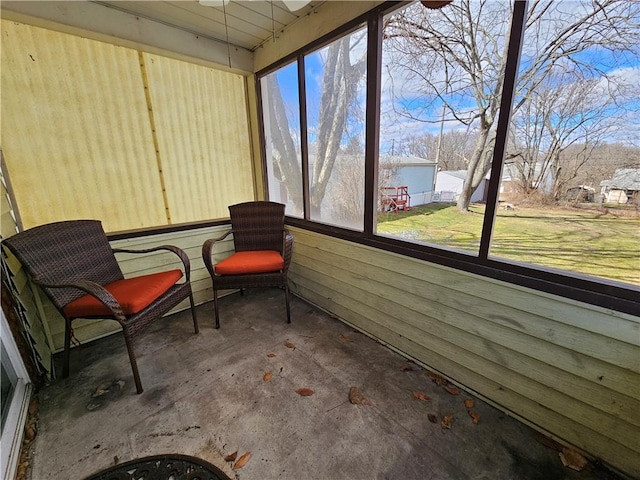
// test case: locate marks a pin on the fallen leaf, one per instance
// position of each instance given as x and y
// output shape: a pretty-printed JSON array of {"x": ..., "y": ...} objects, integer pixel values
[
  {"x": 407, "y": 368},
  {"x": 290, "y": 345},
  {"x": 572, "y": 459},
  {"x": 242, "y": 461},
  {"x": 333, "y": 315},
  {"x": 421, "y": 396},
  {"x": 451, "y": 389},
  {"x": 437, "y": 379},
  {"x": 305, "y": 392},
  {"x": 356, "y": 397},
  {"x": 231, "y": 457},
  {"x": 432, "y": 418},
  {"x": 345, "y": 338},
  {"x": 271, "y": 355},
  {"x": 469, "y": 403},
  {"x": 475, "y": 417},
  {"x": 267, "y": 376},
  {"x": 447, "y": 421}
]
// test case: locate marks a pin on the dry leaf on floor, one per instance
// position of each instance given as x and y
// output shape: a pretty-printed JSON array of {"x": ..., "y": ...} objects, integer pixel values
[
  {"x": 356, "y": 397},
  {"x": 447, "y": 421},
  {"x": 421, "y": 396},
  {"x": 572, "y": 459},
  {"x": 475, "y": 417},
  {"x": 242, "y": 461},
  {"x": 345, "y": 338},
  {"x": 271, "y": 355},
  {"x": 290, "y": 345},
  {"x": 432, "y": 418},
  {"x": 469, "y": 403},
  {"x": 267, "y": 376},
  {"x": 407, "y": 368},
  {"x": 231, "y": 457},
  {"x": 305, "y": 392},
  {"x": 437, "y": 379},
  {"x": 451, "y": 389}
]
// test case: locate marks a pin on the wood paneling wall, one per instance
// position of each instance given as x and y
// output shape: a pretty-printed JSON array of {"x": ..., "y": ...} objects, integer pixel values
[{"x": 569, "y": 369}]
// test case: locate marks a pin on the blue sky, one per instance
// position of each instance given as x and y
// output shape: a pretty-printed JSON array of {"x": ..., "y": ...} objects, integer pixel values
[{"x": 395, "y": 129}]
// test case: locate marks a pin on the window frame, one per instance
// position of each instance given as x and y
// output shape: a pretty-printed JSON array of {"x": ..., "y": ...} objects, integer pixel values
[{"x": 597, "y": 291}]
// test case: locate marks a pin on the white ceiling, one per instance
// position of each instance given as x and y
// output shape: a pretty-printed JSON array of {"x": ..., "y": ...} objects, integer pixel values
[{"x": 249, "y": 23}]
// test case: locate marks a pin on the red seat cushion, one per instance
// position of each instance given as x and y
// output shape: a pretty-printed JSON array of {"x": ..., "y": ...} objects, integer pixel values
[
  {"x": 133, "y": 295},
  {"x": 255, "y": 261}
]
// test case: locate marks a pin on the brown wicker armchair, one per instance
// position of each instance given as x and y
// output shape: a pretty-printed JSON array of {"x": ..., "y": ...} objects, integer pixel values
[
  {"x": 263, "y": 249},
  {"x": 74, "y": 264}
]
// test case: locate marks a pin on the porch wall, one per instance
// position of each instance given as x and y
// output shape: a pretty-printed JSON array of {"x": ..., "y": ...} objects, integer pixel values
[
  {"x": 26, "y": 301},
  {"x": 569, "y": 369}
]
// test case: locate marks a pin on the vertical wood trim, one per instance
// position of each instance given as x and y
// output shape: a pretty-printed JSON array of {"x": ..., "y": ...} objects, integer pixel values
[
  {"x": 502, "y": 131},
  {"x": 304, "y": 145},
  {"x": 372, "y": 132},
  {"x": 258, "y": 172},
  {"x": 154, "y": 134},
  {"x": 6, "y": 183}
]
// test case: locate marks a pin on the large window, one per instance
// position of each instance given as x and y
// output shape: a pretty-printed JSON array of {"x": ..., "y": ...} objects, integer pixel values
[
  {"x": 566, "y": 199},
  {"x": 334, "y": 138},
  {"x": 441, "y": 77},
  {"x": 501, "y": 141},
  {"x": 281, "y": 120}
]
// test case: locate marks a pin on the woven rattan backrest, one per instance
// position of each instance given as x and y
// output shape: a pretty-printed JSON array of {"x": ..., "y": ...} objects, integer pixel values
[
  {"x": 64, "y": 252},
  {"x": 257, "y": 225}
]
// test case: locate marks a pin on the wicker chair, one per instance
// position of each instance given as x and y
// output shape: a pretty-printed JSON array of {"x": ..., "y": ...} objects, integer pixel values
[
  {"x": 74, "y": 264},
  {"x": 263, "y": 249}
]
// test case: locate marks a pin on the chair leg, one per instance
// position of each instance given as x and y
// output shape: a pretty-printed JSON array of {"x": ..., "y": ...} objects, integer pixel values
[
  {"x": 215, "y": 307},
  {"x": 286, "y": 297},
  {"x": 193, "y": 314},
  {"x": 134, "y": 364},
  {"x": 67, "y": 348}
]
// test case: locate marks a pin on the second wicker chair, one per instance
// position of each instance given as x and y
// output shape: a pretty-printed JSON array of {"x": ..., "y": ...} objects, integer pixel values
[{"x": 263, "y": 249}]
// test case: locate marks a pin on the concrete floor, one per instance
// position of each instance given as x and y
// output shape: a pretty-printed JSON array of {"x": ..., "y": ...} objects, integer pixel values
[{"x": 205, "y": 395}]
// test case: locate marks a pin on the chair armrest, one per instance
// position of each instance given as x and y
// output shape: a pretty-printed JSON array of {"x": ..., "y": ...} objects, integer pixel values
[
  {"x": 94, "y": 289},
  {"x": 288, "y": 248},
  {"x": 207, "y": 250},
  {"x": 171, "y": 248}
]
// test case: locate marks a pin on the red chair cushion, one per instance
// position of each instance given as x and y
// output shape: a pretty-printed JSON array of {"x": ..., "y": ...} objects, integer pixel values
[
  {"x": 133, "y": 295},
  {"x": 255, "y": 261}
]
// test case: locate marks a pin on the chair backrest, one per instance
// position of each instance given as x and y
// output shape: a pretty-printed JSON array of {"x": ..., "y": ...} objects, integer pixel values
[
  {"x": 64, "y": 252},
  {"x": 257, "y": 226}
]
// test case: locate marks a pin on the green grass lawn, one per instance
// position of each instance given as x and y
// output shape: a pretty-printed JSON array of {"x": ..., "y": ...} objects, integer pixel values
[{"x": 601, "y": 242}]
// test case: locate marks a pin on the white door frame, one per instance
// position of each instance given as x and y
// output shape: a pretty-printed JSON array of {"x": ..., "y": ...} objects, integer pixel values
[{"x": 13, "y": 429}]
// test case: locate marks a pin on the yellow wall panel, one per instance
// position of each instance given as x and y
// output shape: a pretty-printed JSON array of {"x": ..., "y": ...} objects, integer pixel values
[
  {"x": 202, "y": 129},
  {"x": 76, "y": 134}
]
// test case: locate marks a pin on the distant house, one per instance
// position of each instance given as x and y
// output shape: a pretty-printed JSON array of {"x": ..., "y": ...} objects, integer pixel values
[
  {"x": 418, "y": 174},
  {"x": 623, "y": 186},
  {"x": 449, "y": 187},
  {"x": 542, "y": 179}
]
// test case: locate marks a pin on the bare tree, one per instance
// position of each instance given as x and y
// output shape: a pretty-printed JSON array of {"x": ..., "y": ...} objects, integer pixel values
[
  {"x": 341, "y": 76},
  {"x": 452, "y": 150},
  {"x": 456, "y": 57},
  {"x": 562, "y": 112}
]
